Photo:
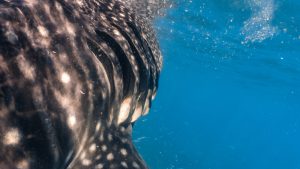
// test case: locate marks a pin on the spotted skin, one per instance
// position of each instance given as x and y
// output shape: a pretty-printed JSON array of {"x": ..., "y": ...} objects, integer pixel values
[{"x": 74, "y": 76}]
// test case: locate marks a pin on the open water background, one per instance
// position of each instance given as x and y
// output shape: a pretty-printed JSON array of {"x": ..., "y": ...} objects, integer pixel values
[{"x": 229, "y": 94}]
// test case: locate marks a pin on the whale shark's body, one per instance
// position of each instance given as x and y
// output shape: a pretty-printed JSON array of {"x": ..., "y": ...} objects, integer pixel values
[{"x": 74, "y": 76}]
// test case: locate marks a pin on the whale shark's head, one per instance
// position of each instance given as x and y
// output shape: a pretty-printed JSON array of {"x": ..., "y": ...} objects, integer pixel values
[{"x": 74, "y": 76}]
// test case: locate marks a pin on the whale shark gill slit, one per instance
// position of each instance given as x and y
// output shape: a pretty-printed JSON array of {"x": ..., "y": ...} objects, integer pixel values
[{"x": 127, "y": 71}]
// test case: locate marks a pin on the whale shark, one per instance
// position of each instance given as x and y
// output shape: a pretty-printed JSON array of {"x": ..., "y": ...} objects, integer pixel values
[{"x": 74, "y": 77}]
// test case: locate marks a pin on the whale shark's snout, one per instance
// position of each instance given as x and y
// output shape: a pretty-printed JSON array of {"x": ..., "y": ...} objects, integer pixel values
[{"x": 74, "y": 76}]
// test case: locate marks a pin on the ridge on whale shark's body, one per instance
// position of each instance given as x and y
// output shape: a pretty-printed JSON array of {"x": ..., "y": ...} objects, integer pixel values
[{"x": 74, "y": 76}]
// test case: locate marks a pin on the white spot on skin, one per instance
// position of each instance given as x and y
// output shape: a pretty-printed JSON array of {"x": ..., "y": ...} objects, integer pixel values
[
  {"x": 102, "y": 16},
  {"x": 104, "y": 148},
  {"x": 86, "y": 162},
  {"x": 31, "y": 3},
  {"x": 98, "y": 126},
  {"x": 124, "y": 110},
  {"x": 124, "y": 140},
  {"x": 43, "y": 31},
  {"x": 65, "y": 77},
  {"x": 12, "y": 137},
  {"x": 99, "y": 166},
  {"x": 123, "y": 129},
  {"x": 123, "y": 152},
  {"x": 126, "y": 47},
  {"x": 72, "y": 121},
  {"x": 101, "y": 137},
  {"x": 110, "y": 156},
  {"x": 122, "y": 15},
  {"x": 80, "y": 2},
  {"x": 124, "y": 164},
  {"x": 116, "y": 32},
  {"x": 136, "y": 68},
  {"x": 92, "y": 148},
  {"x": 82, "y": 92},
  {"x": 25, "y": 67},
  {"x": 135, "y": 165},
  {"x": 23, "y": 164},
  {"x": 98, "y": 157},
  {"x": 11, "y": 37},
  {"x": 70, "y": 28},
  {"x": 82, "y": 156},
  {"x": 109, "y": 137}
]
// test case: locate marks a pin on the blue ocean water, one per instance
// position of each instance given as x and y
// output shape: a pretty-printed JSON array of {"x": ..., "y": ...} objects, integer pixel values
[{"x": 229, "y": 94}]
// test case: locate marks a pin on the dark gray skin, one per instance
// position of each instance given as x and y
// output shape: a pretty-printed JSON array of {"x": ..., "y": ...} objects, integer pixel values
[{"x": 74, "y": 76}]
